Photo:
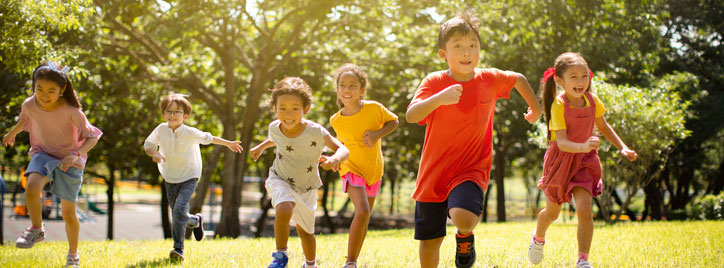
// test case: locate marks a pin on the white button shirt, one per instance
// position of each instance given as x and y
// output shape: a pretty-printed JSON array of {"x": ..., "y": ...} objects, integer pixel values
[{"x": 181, "y": 150}]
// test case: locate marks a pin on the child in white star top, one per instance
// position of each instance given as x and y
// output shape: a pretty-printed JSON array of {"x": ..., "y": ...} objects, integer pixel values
[{"x": 294, "y": 177}]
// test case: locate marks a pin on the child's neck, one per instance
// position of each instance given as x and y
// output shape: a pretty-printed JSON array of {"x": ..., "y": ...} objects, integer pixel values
[
  {"x": 174, "y": 128},
  {"x": 352, "y": 108},
  {"x": 576, "y": 102},
  {"x": 295, "y": 131},
  {"x": 460, "y": 77}
]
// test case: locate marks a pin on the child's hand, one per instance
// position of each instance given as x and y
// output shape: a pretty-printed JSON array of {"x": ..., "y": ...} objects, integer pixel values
[
  {"x": 9, "y": 139},
  {"x": 592, "y": 143},
  {"x": 235, "y": 147},
  {"x": 449, "y": 95},
  {"x": 329, "y": 163},
  {"x": 531, "y": 115},
  {"x": 370, "y": 138},
  {"x": 630, "y": 154},
  {"x": 158, "y": 158},
  {"x": 68, "y": 161},
  {"x": 256, "y": 152}
]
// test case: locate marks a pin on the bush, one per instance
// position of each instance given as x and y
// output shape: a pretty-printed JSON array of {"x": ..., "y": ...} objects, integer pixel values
[{"x": 710, "y": 207}]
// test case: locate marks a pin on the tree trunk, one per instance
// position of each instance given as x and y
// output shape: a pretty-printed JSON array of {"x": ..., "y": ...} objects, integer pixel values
[
  {"x": 654, "y": 201},
  {"x": 197, "y": 202},
  {"x": 499, "y": 161},
  {"x": 485, "y": 205},
  {"x": 718, "y": 184},
  {"x": 392, "y": 183},
  {"x": 165, "y": 220},
  {"x": 325, "y": 197},
  {"x": 111, "y": 182}
]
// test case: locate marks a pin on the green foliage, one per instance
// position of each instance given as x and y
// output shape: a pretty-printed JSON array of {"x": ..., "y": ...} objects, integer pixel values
[
  {"x": 709, "y": 207},
  {"x": 658, "y": 244}
]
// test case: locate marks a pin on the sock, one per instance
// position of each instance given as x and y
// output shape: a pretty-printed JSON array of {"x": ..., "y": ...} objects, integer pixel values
[
  {"x": 74, "y": 255},
  {"x": 459, "y": 235},
  {"x": 33, "y": 227},
  {"x": 310, "y": 264},
  {"x": 582, "y": 256},
  {"x": 539, "y": 240},
  {"x": 284, "y": 250}
]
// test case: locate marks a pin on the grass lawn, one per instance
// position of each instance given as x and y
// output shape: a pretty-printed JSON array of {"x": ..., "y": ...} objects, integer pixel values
[{"x": 651, "y": 244}]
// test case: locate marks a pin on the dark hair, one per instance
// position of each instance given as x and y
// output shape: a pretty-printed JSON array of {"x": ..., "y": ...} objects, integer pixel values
[
  {"x": 464, "y": 23},
  {"x": 356, "y": 71},
  {"x": 61, "y": 79},
  {"x": 292, "y": 86},
  {"x": 179, "y": 99},
  {"x": 547, "y": 87}
]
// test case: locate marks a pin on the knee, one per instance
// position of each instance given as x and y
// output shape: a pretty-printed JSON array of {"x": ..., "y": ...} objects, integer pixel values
[
  {"x": 285, "y": 209},
  {"x": 550, "y": 213},
  {"x": 584, "y": 214},
  {"x": 363, "y": 211}
]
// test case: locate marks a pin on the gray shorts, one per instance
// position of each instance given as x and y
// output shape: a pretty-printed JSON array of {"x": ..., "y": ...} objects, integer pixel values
[{"x": 65, "y": 185}]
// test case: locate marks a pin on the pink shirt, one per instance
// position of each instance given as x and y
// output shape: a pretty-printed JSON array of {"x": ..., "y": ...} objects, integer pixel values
[{"x": 59, "y": 132}]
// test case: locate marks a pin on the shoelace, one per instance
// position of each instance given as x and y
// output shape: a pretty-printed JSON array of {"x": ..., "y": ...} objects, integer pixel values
[{"x": 464, "y": 247}]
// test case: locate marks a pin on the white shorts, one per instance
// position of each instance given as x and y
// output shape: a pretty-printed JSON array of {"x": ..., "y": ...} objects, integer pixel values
[{"x": 304, "y": 204}]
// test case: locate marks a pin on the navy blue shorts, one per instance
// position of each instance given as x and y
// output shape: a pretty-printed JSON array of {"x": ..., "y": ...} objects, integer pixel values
[{"x": 430, "y": 218}]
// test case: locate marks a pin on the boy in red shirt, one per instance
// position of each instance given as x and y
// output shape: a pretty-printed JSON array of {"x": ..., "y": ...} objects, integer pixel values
[{"x": 458, "y": 106}]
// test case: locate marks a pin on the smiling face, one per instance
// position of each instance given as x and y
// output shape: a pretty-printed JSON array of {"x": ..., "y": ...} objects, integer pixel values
[
  {"x": 349, "y": 89},
  {"x": 290, "y": 110},
  {"x": 462, "y": 53},
  {"x": 574, "y": 81},
  {"x": 174, "y": 115},
  {"x": 47, "y": 93}
]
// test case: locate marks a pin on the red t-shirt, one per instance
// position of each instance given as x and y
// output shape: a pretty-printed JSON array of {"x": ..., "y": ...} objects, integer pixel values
[{"x": 459, "y": 137}]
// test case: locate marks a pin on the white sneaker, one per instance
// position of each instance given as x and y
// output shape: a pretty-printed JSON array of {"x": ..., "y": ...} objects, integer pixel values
[
  {"x": 350, "y": 265},
  {"x": 535, "y": 251},
  {"x": 73, "y": 262},
  {"x": 583, "y": 263},
  {"x": 30, "y": 236}
]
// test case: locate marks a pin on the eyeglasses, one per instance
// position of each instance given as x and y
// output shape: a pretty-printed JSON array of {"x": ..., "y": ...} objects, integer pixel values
[{"x": 169, "y": 112}]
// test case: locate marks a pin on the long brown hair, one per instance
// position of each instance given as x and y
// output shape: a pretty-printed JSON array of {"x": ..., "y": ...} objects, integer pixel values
[
  {"x": 54, "y": 74},
  {"x": 547, "y": 87}
]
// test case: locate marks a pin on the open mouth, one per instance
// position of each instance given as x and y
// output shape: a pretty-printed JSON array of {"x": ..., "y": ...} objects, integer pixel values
[
  {"x": 578, "y": 90},
  {"x": 466, "y": 62},
  {"x": 288, "y": 122}
]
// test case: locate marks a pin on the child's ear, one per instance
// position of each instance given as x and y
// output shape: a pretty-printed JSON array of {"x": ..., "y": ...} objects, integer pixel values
[
  {"x": 441, "y": 53},
  {"x": 558, "y": 80},
  {"x": 306, "y": 109},
  {"x": 186, "y": 116}
]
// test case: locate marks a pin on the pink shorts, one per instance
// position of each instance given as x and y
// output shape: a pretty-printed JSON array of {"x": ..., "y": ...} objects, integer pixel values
[{"x": 357, "y": 181}]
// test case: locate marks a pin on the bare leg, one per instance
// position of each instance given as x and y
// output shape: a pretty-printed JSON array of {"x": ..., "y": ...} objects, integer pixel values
[
  {"x": 281, "y": 223},
  {"x": 72, "y": 225},
  {"x": 33, "y": 190},
  {"x": 358, "y": 228},
  {"x": 546, "y": 217},
  {"x": 464, "y": 220},
  {"x": 585, "y": 218},
  {"x": 309, "y": 244},
  {"x": 430, "y": 252}
]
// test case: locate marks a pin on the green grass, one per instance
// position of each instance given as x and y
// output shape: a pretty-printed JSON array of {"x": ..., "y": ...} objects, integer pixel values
[{"x": 651, "y": 244}]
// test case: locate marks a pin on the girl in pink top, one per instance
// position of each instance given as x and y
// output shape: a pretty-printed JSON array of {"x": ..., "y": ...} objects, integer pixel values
[
  {"x": 60, "y": 138},
  {"x": 571, "y": 166}
]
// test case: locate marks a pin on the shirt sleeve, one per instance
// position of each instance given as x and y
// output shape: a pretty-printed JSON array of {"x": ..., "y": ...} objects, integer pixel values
[
  {"x": 424, "y": 91},
  {"x": 600, "y": 109},
  {"x": 25, "y": 114},
  {"x": 558, "y": 121},
  {"x": 504, "y": 83},
  {"x": 384, "y": 114},
  {"x": 86, "y": 130},
  {"x": 201, "y": 137},
  {"x": 153, "y": 140}
]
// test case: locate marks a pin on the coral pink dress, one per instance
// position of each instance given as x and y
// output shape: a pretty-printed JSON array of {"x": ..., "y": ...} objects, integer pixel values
[{"x": 562, "y": 171}]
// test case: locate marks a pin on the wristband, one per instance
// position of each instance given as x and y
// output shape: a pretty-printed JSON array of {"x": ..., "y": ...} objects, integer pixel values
[{"x": 75, "y": 153}]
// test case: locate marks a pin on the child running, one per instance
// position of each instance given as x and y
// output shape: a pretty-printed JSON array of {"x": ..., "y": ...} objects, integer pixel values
[
  {"x": 360, "y": 125},
  {"x": 458, "y": 106},
  {"x": 294, "y": 177},
  {"x": 571, "y": 167},
  {"x": 60, "y": 138},
  {"x": 175, "y": 147}
]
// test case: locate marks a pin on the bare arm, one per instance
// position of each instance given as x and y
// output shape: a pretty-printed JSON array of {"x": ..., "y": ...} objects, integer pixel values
[
  {"x": 534, "y": 110},
  {"x": 611, "y": 136},
  {"x": 257, "y": 150},
  {"x": 371, "y": 137},
  {"x": 232, "y": 145},
  {"x": 567, "y": 145},
  {"x": 421, "y": 109},
  {"x": 340, "y": 153},
  {"x": 84, "y": 149},
  {"x": 9, "y": 138}
]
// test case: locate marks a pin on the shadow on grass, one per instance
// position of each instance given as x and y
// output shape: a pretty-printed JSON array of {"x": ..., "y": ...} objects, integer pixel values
[{"x": 154, "y": 263}]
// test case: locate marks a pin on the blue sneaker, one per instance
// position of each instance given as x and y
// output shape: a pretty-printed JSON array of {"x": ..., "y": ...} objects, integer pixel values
[
  {"x": 176, "y": 255},
  {"x": 280, "y": 260}
]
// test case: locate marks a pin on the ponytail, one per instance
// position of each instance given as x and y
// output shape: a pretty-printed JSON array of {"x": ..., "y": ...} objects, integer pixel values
[{"x": 548, "y": 94}]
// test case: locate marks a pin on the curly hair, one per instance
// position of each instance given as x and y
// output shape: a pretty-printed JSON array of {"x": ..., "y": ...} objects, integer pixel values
[
  {"x": 292, "y": 86},
  {"x": 356, "y": 71}
]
